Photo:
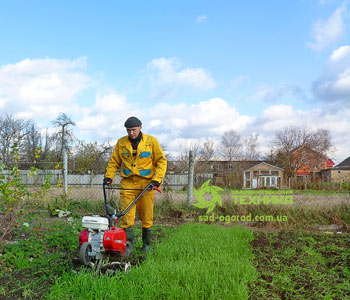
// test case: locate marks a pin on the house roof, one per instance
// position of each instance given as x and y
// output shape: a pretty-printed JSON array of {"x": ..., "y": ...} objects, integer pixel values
[
  {"x": 344, "y": 165},
  {"x": 300, "y": 147},
  {"x": 330, "y": 162},
  {"x": 309, "y": 149},
  {"x": 265, "y": 163}
]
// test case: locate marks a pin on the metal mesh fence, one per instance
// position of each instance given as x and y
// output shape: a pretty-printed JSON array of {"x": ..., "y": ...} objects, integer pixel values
[
  {"x": 174, "y": 187},
  {"x": 89, "y": 186}
]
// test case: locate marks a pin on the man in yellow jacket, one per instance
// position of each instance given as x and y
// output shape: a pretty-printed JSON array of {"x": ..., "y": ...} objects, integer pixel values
[{"x": 141, "y": 161}]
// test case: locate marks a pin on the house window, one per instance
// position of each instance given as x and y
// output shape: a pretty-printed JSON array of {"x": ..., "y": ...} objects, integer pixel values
[
  {"x": 247, "y": 180},
  {"x": 255, "y": 174},
  {"x": 268, "y": 181},
  {"x": 273, "y": 181},
  {"x": 230, "y": 167}
]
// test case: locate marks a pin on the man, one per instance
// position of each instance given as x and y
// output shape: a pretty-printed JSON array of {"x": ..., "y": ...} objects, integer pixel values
[{"x": 142, "y": 161}]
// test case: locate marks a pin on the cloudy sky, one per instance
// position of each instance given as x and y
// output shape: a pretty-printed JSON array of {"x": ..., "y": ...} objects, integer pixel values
[{"x": 188, "y": 69}]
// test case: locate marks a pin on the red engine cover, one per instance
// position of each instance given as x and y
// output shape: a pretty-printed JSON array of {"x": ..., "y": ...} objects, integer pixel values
[
  {"x": 115, "y": 240},
  {"x": 84, "y": 236}
]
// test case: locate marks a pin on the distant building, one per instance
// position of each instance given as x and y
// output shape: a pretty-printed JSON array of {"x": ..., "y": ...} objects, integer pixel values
[
  {"x": 309, "y": 162},
  {"x": 262, "y": 175},
  {"x": 340, "y": 173},
  {"x": 235, "y": 173}
]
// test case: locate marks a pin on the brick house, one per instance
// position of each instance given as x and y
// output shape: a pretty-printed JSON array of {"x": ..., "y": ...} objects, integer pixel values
[{"x": 307, "y": 162}]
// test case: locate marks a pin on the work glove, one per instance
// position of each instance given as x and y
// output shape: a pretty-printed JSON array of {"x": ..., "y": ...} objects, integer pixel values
[
  {"x": 107, "y": 181},
  {"x": 154, "y": 183}
]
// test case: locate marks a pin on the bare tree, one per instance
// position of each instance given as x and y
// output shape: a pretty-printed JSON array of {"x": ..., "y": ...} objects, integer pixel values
[
  {"x": 230, "y": 145},
  {"x": 92, "y": 157},
  {"x": 184, "y": 150},
  {"x": 207, "y": 152},
  {"x": 47, "y": 145},
  {"x": 12, "y": 131},
  {"x": 250, "y": 147},
  {"x": 166, "y": 152},
  {"x": 286, "y": 141},
  {"x": 321, "y": 141},
  {"x": 64, "y": 135},
  {"x": 32, "y": 142}
]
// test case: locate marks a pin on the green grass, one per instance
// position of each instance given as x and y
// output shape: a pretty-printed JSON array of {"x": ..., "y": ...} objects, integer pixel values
[
  {"x": 196, "y": 262},
  {"x": 189, "y": 262},
  {"x": 298, "y": 217}
]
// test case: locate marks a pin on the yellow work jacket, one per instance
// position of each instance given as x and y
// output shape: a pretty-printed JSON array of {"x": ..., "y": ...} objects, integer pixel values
[{"x": 149, "y": 162}]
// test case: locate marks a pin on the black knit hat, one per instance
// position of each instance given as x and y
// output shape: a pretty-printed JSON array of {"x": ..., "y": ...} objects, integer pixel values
[{"x": 132, "y": 122}]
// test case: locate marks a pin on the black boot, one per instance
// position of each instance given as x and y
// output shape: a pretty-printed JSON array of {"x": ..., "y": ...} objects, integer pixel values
[
  {"x": 129, "y": 241},
  {"x": 146, "y": 240}
]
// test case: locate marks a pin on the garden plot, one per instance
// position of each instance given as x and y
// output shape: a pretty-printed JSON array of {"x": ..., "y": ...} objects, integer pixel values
[{"x": 195, "y": 262}]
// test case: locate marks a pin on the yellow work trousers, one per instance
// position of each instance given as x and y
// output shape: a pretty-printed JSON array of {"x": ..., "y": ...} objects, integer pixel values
[{"x": 144, "y": 205}]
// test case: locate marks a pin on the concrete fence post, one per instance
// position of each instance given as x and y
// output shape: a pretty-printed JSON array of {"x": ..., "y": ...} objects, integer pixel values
[
  {"x": 65, "y": 171},
  {"x": 190, "y": 178}
]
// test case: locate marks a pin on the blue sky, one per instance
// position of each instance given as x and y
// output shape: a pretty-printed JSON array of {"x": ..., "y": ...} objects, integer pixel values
[{"x": 189, "y": 69}]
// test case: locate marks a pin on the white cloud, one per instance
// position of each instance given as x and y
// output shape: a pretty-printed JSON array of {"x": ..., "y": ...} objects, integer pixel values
[
  {"x": 183, "y": 124},
  {"x": 328, "y": 31},
  {"x": 274, "y": 94},
  {"x": 2, "y": 103},
  {"x": 277, "y": 117},
  {"x": 105, "y": 119},
  {"x": 207, "y": 118},
  {"x": 340, "y": 54},
  {"x": 334, "y": 83},
  {"x": 168, "y": 122},
  {"x": 201, "y": 19},
  {"x": 45, "y": 83},
  {"x": 41, "y": 87},
  {"x": 166, "y": 76}
]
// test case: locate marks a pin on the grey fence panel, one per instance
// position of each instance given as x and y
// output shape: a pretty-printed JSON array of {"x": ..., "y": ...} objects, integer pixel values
[
  {"x": 88, "y": 186},
  {"x": 37, "y": 178},
  {"x": 89, "y": 179},
  {"x": 179, "y": 182},
  {"x": 173, "y": 181},
  {"x": 176, "y": 182}
]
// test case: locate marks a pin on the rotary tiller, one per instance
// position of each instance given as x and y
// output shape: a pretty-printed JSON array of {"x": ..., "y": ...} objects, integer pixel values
[{"x": 102, "y": 238}]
